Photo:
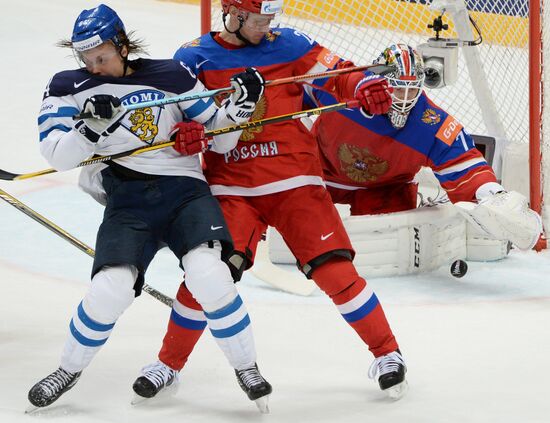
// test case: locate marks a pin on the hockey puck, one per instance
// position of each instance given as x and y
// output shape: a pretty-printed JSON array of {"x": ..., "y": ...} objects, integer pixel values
[{"x": 459, "y": 268}]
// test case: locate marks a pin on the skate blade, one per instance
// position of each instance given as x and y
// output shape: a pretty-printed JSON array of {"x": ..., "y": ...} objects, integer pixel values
[
  {"x": 263, "y": 404},
  {"x": 397, "y": 392},
  {"x": 137, "y": 399},
  {"x": 169, "y": 391},
  {"x": 31, "y": 409}
]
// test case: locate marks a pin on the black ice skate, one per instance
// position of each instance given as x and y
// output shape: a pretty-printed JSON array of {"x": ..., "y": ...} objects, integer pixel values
[
  {"x": 255, "y": 386},
  {"x": 154, "y": 378},
  {"x": 49, "y": 389},
  {"x": 390, "y": 369}
]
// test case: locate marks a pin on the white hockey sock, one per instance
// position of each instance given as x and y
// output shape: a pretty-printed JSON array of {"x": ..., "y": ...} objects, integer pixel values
[
  {"x": 110, "y": 293},
  {"x": 86, "y": 337},
  {"x": 232, "y": 331},
  {"x": 209, "y": 281}
]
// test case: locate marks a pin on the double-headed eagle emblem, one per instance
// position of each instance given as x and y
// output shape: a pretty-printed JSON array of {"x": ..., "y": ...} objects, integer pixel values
[{"x": 359, "y": 164}]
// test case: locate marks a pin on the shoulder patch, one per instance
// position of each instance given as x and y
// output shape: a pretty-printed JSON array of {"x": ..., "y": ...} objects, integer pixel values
[
  {"x": 449, "y": 130},
  {"x": 327, "y": 58},
  {"x": 431, "y": 117},
  {"x": 193, "y": 43},
  {"x": 272, "y": 35}
]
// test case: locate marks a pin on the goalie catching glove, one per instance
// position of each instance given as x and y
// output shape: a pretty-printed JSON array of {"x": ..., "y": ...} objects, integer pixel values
[
  {"x": 374, "y": 94},
  {"x": 189, "y": 138},
  {"x": 249, "y": 88},
  {"x": 106, "y": 111},
  {"x": 504, "y": 215}
]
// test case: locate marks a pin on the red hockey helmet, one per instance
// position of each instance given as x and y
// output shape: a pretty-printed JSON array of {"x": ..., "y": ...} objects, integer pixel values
[{"x": 265, "y": 7}]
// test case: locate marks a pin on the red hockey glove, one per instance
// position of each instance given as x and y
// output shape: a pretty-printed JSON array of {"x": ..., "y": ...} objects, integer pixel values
[
  {"x": 189, "y": 138},
  {"x": 374, "y": 94}
]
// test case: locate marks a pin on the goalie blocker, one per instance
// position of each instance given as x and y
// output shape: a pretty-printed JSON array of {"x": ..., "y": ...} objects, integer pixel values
[{"x": 422, "y": 239}]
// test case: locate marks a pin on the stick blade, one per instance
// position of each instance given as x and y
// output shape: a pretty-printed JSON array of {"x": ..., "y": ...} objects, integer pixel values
[
  {"x": 8, "y": 176},
  {"x": 273, "y": 275}
]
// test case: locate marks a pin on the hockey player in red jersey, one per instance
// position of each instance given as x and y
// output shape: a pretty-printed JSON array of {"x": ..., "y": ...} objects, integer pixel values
[
  {"x": 273, "y": 177},
  {"x": 369, "y": 161}
]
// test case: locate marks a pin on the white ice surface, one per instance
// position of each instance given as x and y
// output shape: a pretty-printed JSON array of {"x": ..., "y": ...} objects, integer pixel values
[{"x": 477, "y": 347}]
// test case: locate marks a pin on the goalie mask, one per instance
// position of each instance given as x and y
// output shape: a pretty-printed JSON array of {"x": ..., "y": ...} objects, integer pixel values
[{"x": 407, "y": 80}]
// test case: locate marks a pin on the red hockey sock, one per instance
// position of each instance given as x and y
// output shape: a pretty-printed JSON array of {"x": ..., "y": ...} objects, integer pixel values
[
  {"x": 186, "y": 325},
  {"x": 357, "y": 303}
]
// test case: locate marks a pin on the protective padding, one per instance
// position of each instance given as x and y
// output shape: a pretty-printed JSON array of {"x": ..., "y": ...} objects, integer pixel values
[
  {"x": 111, "y": 292},
  {"x": 400, "y": 243},
  {"x": 337, "y": 276},
  {"x": 480, "y": 247},
  {"x": 505, "y": 215},
  {"x": 208, "y": 278}
]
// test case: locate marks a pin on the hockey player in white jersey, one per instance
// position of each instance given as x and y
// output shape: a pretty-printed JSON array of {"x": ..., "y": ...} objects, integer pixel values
[{"x": 151, "y": 199}]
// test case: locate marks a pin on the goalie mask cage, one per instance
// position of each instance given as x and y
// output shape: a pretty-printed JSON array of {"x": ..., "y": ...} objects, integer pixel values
[{"x": 499, "y": 90}]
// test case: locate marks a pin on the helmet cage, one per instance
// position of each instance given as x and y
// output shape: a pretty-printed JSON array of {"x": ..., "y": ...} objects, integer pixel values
[{"x": 406, "y": 91}]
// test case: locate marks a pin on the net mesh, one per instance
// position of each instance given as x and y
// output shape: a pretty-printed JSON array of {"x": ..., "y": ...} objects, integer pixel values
[{"x": 360, "y": 29}]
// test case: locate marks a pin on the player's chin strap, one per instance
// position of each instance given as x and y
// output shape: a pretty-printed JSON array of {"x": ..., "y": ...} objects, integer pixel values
[
  {"x": 237, "y": 32},
  {"x": 124, "y": 60}
]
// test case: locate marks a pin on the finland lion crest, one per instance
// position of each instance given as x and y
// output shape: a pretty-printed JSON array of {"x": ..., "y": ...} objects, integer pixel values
[{"x": 143, "y": 123}]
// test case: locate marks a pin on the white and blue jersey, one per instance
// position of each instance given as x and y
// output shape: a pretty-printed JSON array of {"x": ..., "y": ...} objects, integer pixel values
[{"x": 67, "y": 92}]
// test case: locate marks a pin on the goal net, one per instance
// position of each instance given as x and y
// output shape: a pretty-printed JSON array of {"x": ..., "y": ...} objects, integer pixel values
[{"x": 491, "y": 94}]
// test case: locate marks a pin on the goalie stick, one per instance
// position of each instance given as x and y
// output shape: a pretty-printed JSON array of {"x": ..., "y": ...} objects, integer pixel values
[
  {"x": 276, "y": 276},
  {"x": 9, "y": 176},
  {"x": 71, "y": 239},
  {"x": 378, "y": 69}
]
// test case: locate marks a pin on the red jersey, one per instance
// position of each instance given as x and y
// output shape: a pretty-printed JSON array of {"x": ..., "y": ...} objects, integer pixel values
[
  {"x": 366, "y": 152},
  {"x": 275, "y": 157}
]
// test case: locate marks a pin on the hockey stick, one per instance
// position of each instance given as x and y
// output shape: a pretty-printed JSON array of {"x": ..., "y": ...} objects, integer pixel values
[
  {"x": 9, "y": 176},
  {"x": 276, "y": 276},
  {"x": 68, "y": 237},
  {"x": 263, "y": 268},
  {"x": 379, "y": 69}
]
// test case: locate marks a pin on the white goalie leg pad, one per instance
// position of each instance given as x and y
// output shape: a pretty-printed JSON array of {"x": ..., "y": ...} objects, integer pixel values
[
  {"x": 210, "y": 282},
  {"x": 401, "y": 243},
  {"x": 111, "y": 292},
  {"x": 413, "y": 241},
  {"x": 505, "y": 216},
  {"x": 480, "y": 247}
]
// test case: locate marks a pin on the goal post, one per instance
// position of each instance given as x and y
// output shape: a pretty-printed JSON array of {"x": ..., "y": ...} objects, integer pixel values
[
  {"x": 500, "y": 82},
  {"x": 536, "y": 176}
]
